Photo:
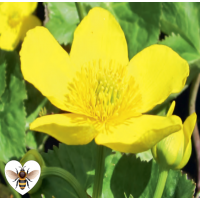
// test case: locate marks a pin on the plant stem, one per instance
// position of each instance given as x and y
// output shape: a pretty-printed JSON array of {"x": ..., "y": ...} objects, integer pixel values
[
  {"x": 56, "y": 171},
  {"x": 99, "y": 172},
  {"x": 13, "y": 191},
  {"x": 80, "y": 9},
  {"x": 163, "y": 173},
  {"x": 41, "y": 146},
  {"x": 196, "y": 139}
]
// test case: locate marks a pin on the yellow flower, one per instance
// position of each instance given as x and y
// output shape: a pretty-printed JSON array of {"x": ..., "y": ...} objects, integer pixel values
[
  {"x": 16, "y": 19},
  {"x": 104, "y": 92},
  {"x": 175, "y": 150}
]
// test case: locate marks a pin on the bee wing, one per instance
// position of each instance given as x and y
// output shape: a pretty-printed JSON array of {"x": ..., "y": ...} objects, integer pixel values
[
  {"x": 32, "y": 174},
  {"x": 11, "y": 174}
]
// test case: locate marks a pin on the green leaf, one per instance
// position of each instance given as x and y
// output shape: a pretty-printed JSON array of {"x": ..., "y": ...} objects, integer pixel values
[
  {"x": 182, "y": 47},
  {"x": 12, "y": 114},
  {"x": 63, "y": 19},
  {"x": 80, "y": 162},
  {"x": 180, "y": 20},
  {"x": 145, "y": 156},
  {"x": 124, "y": 175},
  {"x": 31, "y": 142},
  {"x": 130, "y": 176},
  {"x": 34, "y": 103},
  {"x": 134, "y": 177},
  {"x": 185, "y": 188},
  {"x": 36, "y": 140},
  {"x": 110, "y": 162},
  {"x": 3, "y": 74}
]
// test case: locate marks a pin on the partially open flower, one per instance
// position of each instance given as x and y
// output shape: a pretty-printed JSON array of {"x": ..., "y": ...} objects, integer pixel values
[
  {"x": 15, "y": 20},
  {"x": 174, "y": 151},
  {"x": 105, "y": 93}
]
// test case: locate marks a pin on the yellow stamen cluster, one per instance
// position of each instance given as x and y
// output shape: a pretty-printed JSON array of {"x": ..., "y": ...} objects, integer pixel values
[{"x": 102, "y": 90}]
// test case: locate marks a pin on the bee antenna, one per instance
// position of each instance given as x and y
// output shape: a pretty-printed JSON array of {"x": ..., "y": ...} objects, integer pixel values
[{"x": 22, "y": 167}]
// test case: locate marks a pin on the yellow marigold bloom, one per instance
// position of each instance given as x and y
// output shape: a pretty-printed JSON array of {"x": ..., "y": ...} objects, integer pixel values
[
  {"x": 174, "y": 151},
  {"x": 15, "y": 20},
  {"x": 105, "y": 94}
]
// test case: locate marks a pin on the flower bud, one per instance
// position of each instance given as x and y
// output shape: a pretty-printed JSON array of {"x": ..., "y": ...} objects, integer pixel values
[
  {"x": 34, "y": 155},
  {"x": 174, "y": 151}
]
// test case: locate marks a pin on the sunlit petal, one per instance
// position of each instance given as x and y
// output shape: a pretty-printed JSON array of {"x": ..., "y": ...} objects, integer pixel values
[
  {"x": 46, "y": 65},
  {"x": 71, "y": 129},
  {"x": 99, "y": 37},
  {"x": 139, "y": 134},
  {"x": 158, "y": 71}
]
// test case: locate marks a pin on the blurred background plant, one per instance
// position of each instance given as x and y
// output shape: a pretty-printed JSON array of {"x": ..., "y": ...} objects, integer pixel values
[{"x": 173, "y": 24}]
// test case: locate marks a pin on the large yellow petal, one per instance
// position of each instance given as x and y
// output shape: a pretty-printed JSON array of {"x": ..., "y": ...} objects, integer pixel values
[
  {"x": 139, "y": 133},
  {"x": 99, "y": 36},
  {"x": 46, "y": 65},
  {"x": 70, "y": 129},
  {"x": 18, "y": 8},
  {"x": 158, "y": 71}
]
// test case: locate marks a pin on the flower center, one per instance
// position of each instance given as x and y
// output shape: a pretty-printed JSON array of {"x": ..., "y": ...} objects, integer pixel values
[{"x": 102, "y": 90}]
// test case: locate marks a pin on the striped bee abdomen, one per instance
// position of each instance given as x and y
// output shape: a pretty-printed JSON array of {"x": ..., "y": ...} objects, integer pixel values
[{"x": 22, "y": 183}]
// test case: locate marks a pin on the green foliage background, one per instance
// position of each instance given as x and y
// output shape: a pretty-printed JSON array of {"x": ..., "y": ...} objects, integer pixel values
[{"x": 20, "y": 103}]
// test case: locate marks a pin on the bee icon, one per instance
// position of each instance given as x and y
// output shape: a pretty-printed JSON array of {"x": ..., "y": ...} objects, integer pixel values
[{"x": 22, "y": 177}]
